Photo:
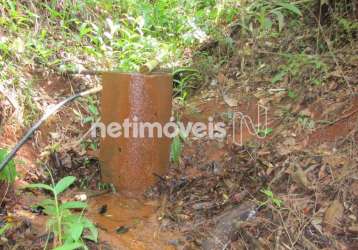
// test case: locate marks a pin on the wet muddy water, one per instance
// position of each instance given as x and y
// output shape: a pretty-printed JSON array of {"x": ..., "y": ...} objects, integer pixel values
[{"x": 129, "y": 223}]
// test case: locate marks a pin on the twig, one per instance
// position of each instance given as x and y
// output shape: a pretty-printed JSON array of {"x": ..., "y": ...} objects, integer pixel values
[
  {"x": 278, "y": 237},
  {"x": 343, "y": 117},
  {"x": 277, "y": 176},
  {"x": 98, "y": 193},
  {"x": 286, "y": 230},
  {"x": 5, "y": 193}
]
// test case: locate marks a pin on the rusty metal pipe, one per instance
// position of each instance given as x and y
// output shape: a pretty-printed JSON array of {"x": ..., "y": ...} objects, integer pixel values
[{"x": 130, "y": 163}]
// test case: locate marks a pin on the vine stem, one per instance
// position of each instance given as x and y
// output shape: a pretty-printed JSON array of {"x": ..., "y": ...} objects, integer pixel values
[{"x": 58, "y": 215}]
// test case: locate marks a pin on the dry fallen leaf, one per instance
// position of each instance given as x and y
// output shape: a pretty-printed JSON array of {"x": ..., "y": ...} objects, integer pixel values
[
  {"x": 222, "y": 78},
  {"x": 306, "y": 112},
  {"x": 300, "y": 177},
  {"x": 353, "y": 229},
  {"x": 333, "y": 109},
  {"x": 333, "y": 216},
  {"x": 289, "y": 141},
  {"x": 354, "y": 189},
  {"x": 232, "y": 102},
  {"x": 317, "y": 223},
  {"x": 335, "y": 160}
]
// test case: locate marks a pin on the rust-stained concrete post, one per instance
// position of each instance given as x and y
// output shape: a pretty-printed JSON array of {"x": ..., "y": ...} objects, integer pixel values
[{"x": 130, "y": 162}]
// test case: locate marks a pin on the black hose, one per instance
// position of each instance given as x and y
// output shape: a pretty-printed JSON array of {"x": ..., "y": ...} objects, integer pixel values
[{"x": 46, "y": 115}]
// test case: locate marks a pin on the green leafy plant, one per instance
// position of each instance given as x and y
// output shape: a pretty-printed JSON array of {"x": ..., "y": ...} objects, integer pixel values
[
  {"x": 264, "y": 132},
  {"x": 300, "y": 67},
  {"x": 8, "y": 174},
  {"x": 185, "y": 79},
  {"x": 306, "y": 122},
  {"x": 292, "y": 94},
  {"x": 265, "y": 14},
  {"x": 69, "y": 229},
  {"x": 271, "y": 198},
  {"x": 93, "y": 111},
  {"x": 176, "y": 149},
  {"x": 4, "y": 228},
  {"x": 122, "y": 36}
]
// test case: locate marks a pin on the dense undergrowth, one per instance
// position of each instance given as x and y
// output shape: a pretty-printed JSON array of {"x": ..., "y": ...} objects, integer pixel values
[{"x": 62, "y": 36}]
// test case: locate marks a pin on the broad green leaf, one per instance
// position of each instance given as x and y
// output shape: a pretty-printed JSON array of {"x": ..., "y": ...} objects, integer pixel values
[
  {"x": 92, "y": 228},
  {"x": 176, "y": 148},
  {"x": 264, "y": 132},
  {"x": 93, "y": 109},
  {"x": 72, "y": 219},
  {"x": 88, "y": 119},
  {"x": 277, "y": 202},
  {"x": 64, "y": 183},
  {"x": 65, "y": 212},
  {"x": 266, "y": 23},
  {"x": 52, "y": 224},
  {"x": 70, "y": 246},
  {"x": 292, "y": 94},
  {"x": 53, "y": 12},
  {"x": 278, "y": 77},
  {"x": 50, "y": 210},
  {"x": 267, "y": 192},
  {"x": 47, "y": 202},
  {"x": 9, "y": 173},
  {"x": 40, "y": 186},
  {"x": 74, "y": 204},
  {"x": 49, "y": 206},
  {"x": 280, "y": 19},
  {"x": 4, "y": 228},
  {"x": 76, "y": 231},
  {"x": 291, "y": 7},
  {"x": 87, "y": 224}
]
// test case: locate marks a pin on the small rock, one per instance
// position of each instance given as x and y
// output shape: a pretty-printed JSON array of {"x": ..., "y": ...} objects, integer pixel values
[
  {"x": 214, "y": 82},
  {"x": 122, "y": 230},
  {"x": 175, "y": 242},
  {"x": 217, "y": 168},
  {"x": 226, "y": 224},
  {"x": 80, "y": 197},
  {"x": 55, "y": 135},
  {"x": 203, "y": 205},
  {"x": 37, "y": 209},
  {"x": 103, "y": 209},
  {"x": 232, "y": 102}
]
